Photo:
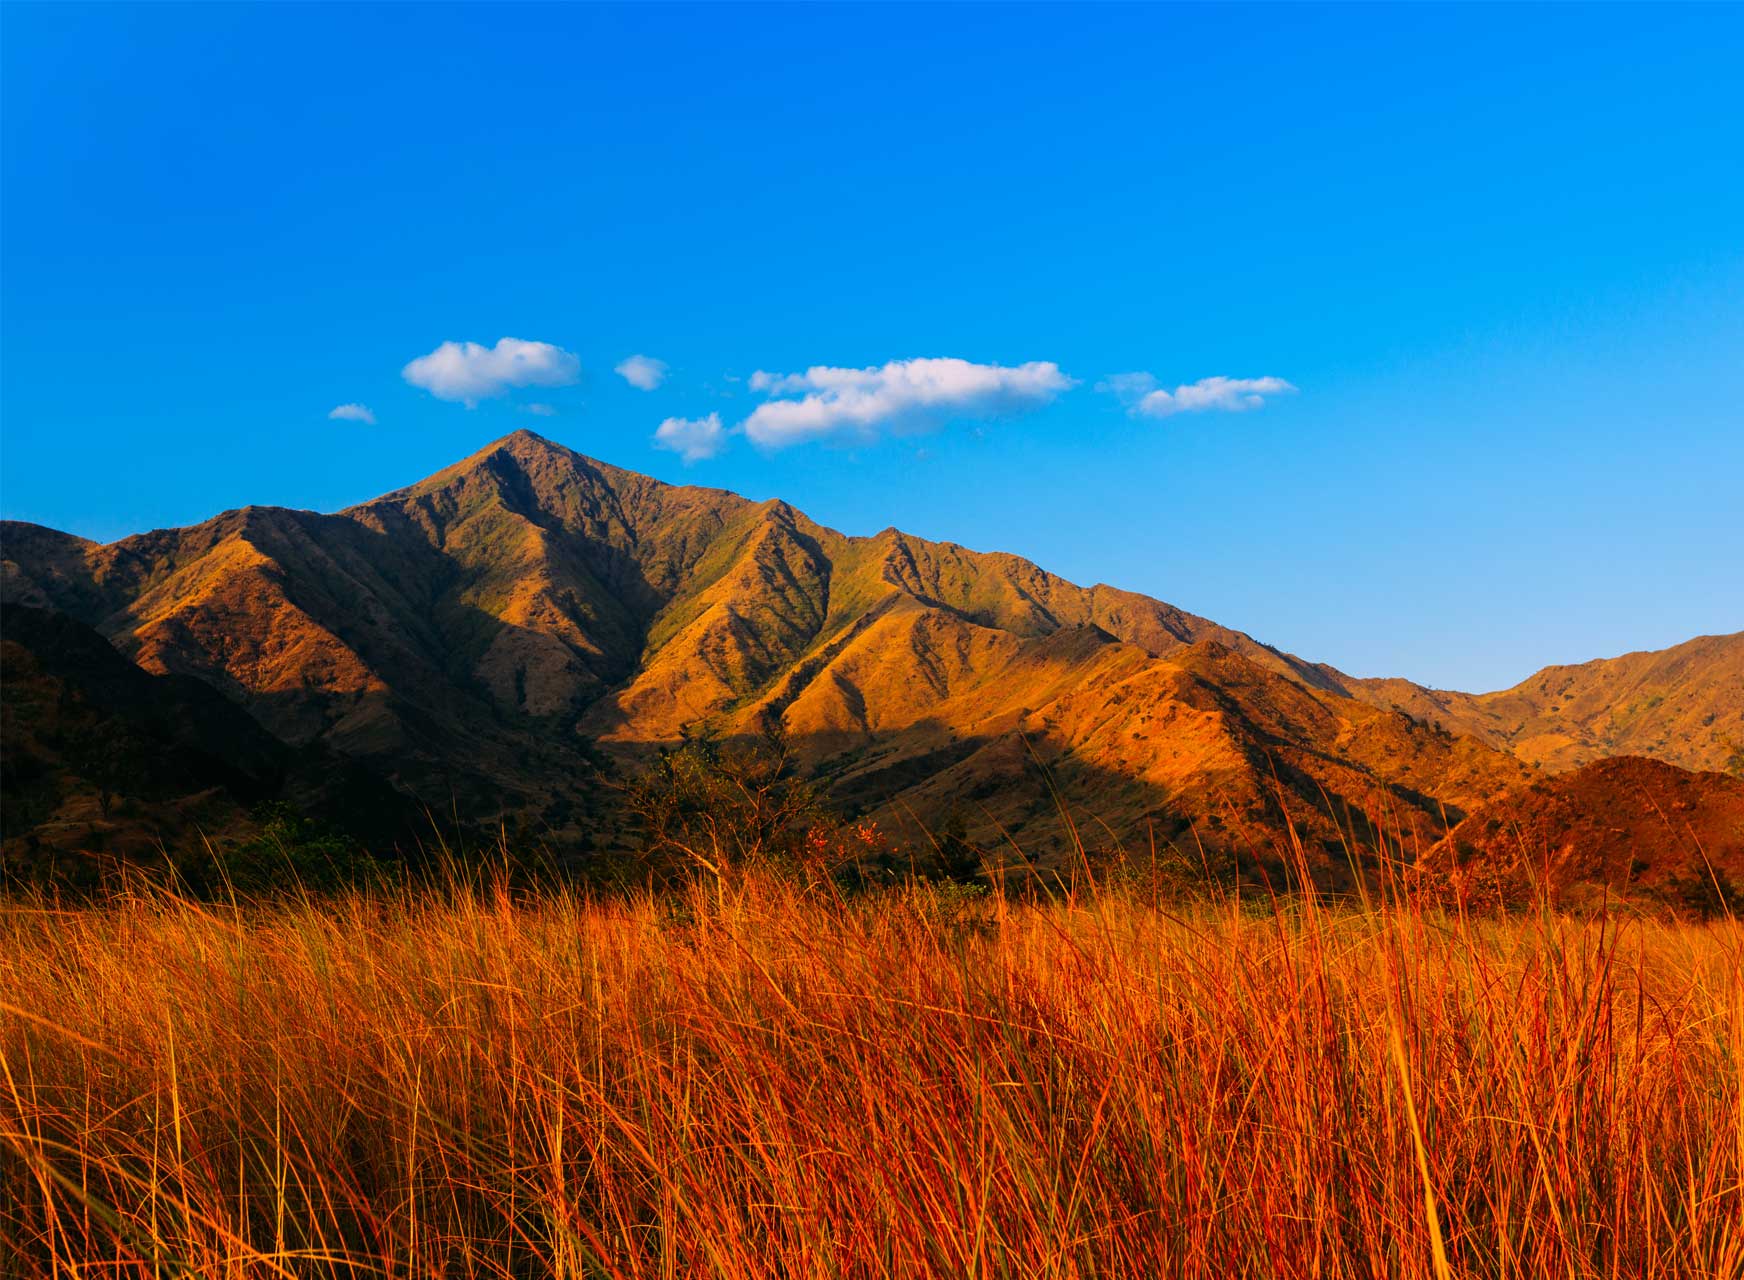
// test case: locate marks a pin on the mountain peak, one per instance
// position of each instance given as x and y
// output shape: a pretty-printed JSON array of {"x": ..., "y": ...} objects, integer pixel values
[
  {"x": 527, "y": 448},
  {"x": 523, "y": 455},
  {"x": 524, "y": 441}
]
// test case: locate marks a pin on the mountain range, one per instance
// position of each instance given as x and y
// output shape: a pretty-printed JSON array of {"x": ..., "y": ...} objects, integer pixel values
[{"x": 496, "y": 641}]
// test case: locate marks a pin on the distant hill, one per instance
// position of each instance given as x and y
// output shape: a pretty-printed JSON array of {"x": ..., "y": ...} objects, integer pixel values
[
  {"x": 496, "y": 638},
  {"x": 1683, "y": 705}
]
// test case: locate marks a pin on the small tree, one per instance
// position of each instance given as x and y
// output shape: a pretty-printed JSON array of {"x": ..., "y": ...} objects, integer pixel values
[
  {"x": 108, "y": 757},
  {"x": 959, "y": 860},
  {"x": 712, "y": 806}
]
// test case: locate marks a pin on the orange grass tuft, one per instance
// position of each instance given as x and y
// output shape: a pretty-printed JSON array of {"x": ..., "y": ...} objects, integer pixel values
[{"x": 456, "y": 1085}]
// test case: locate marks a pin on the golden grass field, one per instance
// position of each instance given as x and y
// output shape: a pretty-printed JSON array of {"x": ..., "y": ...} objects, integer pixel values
[{"x": 769, "y": 1084}]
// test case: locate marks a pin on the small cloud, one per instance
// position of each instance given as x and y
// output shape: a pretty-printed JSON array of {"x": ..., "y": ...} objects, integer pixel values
[
  {"x": 1129, "y": 388},
  {"x": 904, "y": 395},
  {"x": 353, "y": 413},
  {"x": 1143, "y": 398},
  {"x": 642, "y": 372},
  {"x": 470, "y": 372},
  {"x": 692, "y": 439},
  {"x": 540, "y": 410}
]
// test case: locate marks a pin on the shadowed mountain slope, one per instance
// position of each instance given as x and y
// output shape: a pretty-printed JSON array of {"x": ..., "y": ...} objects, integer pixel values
[{"x": 98, "y": 755}]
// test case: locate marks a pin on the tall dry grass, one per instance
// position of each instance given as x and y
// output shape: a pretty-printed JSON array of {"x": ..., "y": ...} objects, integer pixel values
[{"x": 455, "y": 1085}]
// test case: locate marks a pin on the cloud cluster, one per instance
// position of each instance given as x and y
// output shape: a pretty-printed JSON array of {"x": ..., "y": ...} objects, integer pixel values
[
  {"x": 353, "y": 413},
  {"x": 642, "y": 372},
  {"x": 1143, "y": 398},
  {"x": 692, "y": 439},
  {"x": 470, "y": 372},
  {"x": 904, "y": 395},
  {"x": 824, "y": 402}
]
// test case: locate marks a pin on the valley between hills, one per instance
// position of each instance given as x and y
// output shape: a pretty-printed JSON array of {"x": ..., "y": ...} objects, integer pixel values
[{"x": 496, "y": 642}]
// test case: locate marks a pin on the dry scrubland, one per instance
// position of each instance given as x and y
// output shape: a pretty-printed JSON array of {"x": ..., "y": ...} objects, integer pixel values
[{"x": 771, "y": 1085}]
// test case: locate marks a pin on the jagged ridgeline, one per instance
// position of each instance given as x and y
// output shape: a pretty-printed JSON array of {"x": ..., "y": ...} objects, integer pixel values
[{"x": 490, "y": 641}]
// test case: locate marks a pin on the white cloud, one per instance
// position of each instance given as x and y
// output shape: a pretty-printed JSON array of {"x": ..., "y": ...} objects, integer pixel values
[
  {"x": 692, "y": 439},
  {"x": 1129, "y": 388},
  {"x": 353, "y": 413},
  {"x": 904, "y": 395},
  {"x": 470, "y": 372},
  {"x": 642, "y": 372},
  {"x": 1143, "y": 398},
  {"x": 540, "y": 410}
]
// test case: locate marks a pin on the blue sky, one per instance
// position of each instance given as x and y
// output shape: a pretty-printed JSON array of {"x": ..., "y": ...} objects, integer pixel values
[{"x": 1497, "y": 252}]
